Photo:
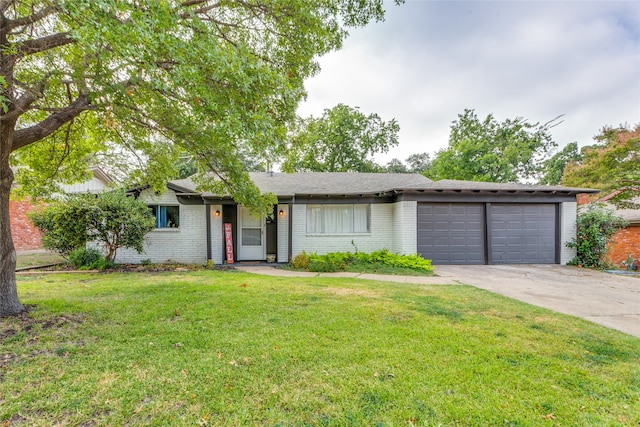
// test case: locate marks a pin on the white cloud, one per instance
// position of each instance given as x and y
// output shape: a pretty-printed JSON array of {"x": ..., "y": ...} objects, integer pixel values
[{"x": 430, "y": 60}]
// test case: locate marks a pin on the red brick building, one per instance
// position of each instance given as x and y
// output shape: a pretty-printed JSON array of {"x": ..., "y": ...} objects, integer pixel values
[
  {"x": 626, "y": 242},
  {"x": 25, "y": 234}
]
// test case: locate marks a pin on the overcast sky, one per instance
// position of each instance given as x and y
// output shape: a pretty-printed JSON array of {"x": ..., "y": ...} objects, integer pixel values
[{"x": 429, "y": 60}]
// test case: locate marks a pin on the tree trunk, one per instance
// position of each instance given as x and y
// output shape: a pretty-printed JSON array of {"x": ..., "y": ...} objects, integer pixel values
[{"x": 9, "y": 302}]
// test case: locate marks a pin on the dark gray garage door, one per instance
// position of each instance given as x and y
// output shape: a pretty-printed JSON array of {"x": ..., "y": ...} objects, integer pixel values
[
  {"x": 451, "y": 233},
  {"x": 522, "y": 233}
]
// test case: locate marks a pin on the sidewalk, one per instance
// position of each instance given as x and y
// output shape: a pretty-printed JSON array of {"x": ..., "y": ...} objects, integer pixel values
[{"x": 266, "y": 270}]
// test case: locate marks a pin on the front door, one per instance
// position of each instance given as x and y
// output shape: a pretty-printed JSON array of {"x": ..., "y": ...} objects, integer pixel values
[{"x": 251, "y": 238}]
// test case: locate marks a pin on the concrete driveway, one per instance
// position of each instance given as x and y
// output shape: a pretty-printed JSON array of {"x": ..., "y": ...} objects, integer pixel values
[{"x": 607, "y": 299}]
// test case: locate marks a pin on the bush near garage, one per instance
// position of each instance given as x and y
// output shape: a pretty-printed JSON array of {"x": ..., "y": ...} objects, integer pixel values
[{"x": 594, "y": 229}]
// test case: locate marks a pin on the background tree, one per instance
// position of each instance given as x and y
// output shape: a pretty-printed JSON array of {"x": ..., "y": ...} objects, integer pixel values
[
  {"x": 415, "y": 163},
  {"x": 419, "y": 163},
  {"x": 553, "y": 168},
  {"x": 395, "y": 166},
  {"x": 112, "y": 219},
  {"x": 154, "y": 78},
  {"x": 488, "y": 150},
  {"x": 342, "y": 140},
  {"x": 612, "y": 164}
]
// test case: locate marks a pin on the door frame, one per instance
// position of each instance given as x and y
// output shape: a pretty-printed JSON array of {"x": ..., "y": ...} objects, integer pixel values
[{"x": 251, "y": 253}]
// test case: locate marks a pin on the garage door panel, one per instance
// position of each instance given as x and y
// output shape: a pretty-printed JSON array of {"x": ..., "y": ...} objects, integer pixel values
[
  {"x": 522, "y": 233},
  {"x": 454, "y": 233},
  {"x": 451, "y": 233}
]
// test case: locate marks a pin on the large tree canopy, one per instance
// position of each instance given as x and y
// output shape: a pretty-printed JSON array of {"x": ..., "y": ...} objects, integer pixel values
[
  {"x": 153, "y": 79},
  {"x": 554, "y": 166},
  {"x": 612, "y": 164},
  {"x": 342, "y": 140},
  {"x": 488, "y": 150}
]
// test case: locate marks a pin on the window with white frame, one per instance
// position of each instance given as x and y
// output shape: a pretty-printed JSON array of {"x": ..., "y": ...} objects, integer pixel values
[
  {"x": 166, "y": 216},
  {"x": 338, "y": 219}
]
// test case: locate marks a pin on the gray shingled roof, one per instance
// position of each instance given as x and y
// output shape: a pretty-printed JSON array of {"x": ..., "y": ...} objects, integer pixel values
[
  {"x": 322, "y": 183},
  {"x": 450, "y": 184},
  {"x": 632, "y": 216},
  {"x": 347, "y": 183}
]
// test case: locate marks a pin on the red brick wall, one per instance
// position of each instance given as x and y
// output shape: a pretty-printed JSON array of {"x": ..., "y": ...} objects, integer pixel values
[
  {"x": 625, "y": 242},
  {"x": 25, "y": 235}
]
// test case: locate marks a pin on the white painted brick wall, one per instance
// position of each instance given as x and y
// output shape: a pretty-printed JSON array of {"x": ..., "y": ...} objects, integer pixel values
[
  {"x": 405, "y": 232},
  {"x": 568, "y": 212},
  {"x": 283, "y": 233},
  {"x": 380, "y": 237},
  {"x": 187, "y": 244}
]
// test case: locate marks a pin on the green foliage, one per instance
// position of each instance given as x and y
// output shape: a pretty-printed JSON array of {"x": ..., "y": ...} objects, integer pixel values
[
  {"x": 611, "y": 165},
  {"x": 137, "y": 84},
  {"x": 64, "y": 225},
  {"x": 329, "y": 263},
  {"x": 493, "y": 151},
  {"x": 553, "y": 168},
  {"x": 343, "y": 261},
  {"x": 300, "y": 261},
  {"x": 419, "y": 163},
  {"x": 384, "y": 256},
  {"x": 342, "y": 140},
  {"x": 595, "y": 228},
  {"x": 119, "y": 221},
  {"x": 415, "y": 163},
  {"x": 396, "y": 166},
  {"x": 111, "y": 218},
  {"x": 88, "y": 259}
]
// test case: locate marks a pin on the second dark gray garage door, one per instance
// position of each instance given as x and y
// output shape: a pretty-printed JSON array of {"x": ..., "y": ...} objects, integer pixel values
[{"x": 522, "y": 233}]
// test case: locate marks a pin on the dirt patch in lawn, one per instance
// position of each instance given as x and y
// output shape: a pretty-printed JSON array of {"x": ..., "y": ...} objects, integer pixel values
[{"x": 24, "y": 328}]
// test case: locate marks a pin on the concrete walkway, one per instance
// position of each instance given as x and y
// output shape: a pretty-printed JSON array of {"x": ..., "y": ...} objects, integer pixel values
[{"x": 606, "y": 299}]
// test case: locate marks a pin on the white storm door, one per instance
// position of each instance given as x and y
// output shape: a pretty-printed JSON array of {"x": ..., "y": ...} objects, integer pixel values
[{"x": 251, "y": 239}]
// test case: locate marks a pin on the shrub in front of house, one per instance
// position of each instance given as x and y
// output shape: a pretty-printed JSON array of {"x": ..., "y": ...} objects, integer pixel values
[
  {"x": 346, "y": 261},
  {"x": 88, "y": 259},
  {"x": 594, "y": 229}
]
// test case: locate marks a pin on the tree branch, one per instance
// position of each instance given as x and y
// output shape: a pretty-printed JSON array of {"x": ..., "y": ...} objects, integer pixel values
[
  {"x": 199, "y": 11},
  {"x": 10, "y": 24},
  {"x": 192, "y": 3},
  {"x": 26, "y": 136},
  {"x": 42, "y": 44},
  {"x": 4, "y": 5},
  {"x": 23, "y": 103}
]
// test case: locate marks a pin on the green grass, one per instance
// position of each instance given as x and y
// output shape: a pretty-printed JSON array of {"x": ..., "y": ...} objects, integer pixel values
[
  {"x": 230, "y": 348},
  {"x": 32, "y": 260}
]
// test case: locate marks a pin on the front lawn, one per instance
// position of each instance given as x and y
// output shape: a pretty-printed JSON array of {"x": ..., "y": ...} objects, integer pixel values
[{"x": 230, "y": 348}]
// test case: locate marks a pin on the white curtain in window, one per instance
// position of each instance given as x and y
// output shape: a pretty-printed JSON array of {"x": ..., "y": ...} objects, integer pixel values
[
  {"x": 337, "y": 219},
  {"x": 314, "y": 219},
  {"x": 360, "y": 218}
]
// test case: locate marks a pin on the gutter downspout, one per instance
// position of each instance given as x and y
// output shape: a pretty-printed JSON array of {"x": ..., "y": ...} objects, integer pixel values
[
  {"x": 293, "y": 201},
  {"x": 208, "y": 228}
]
